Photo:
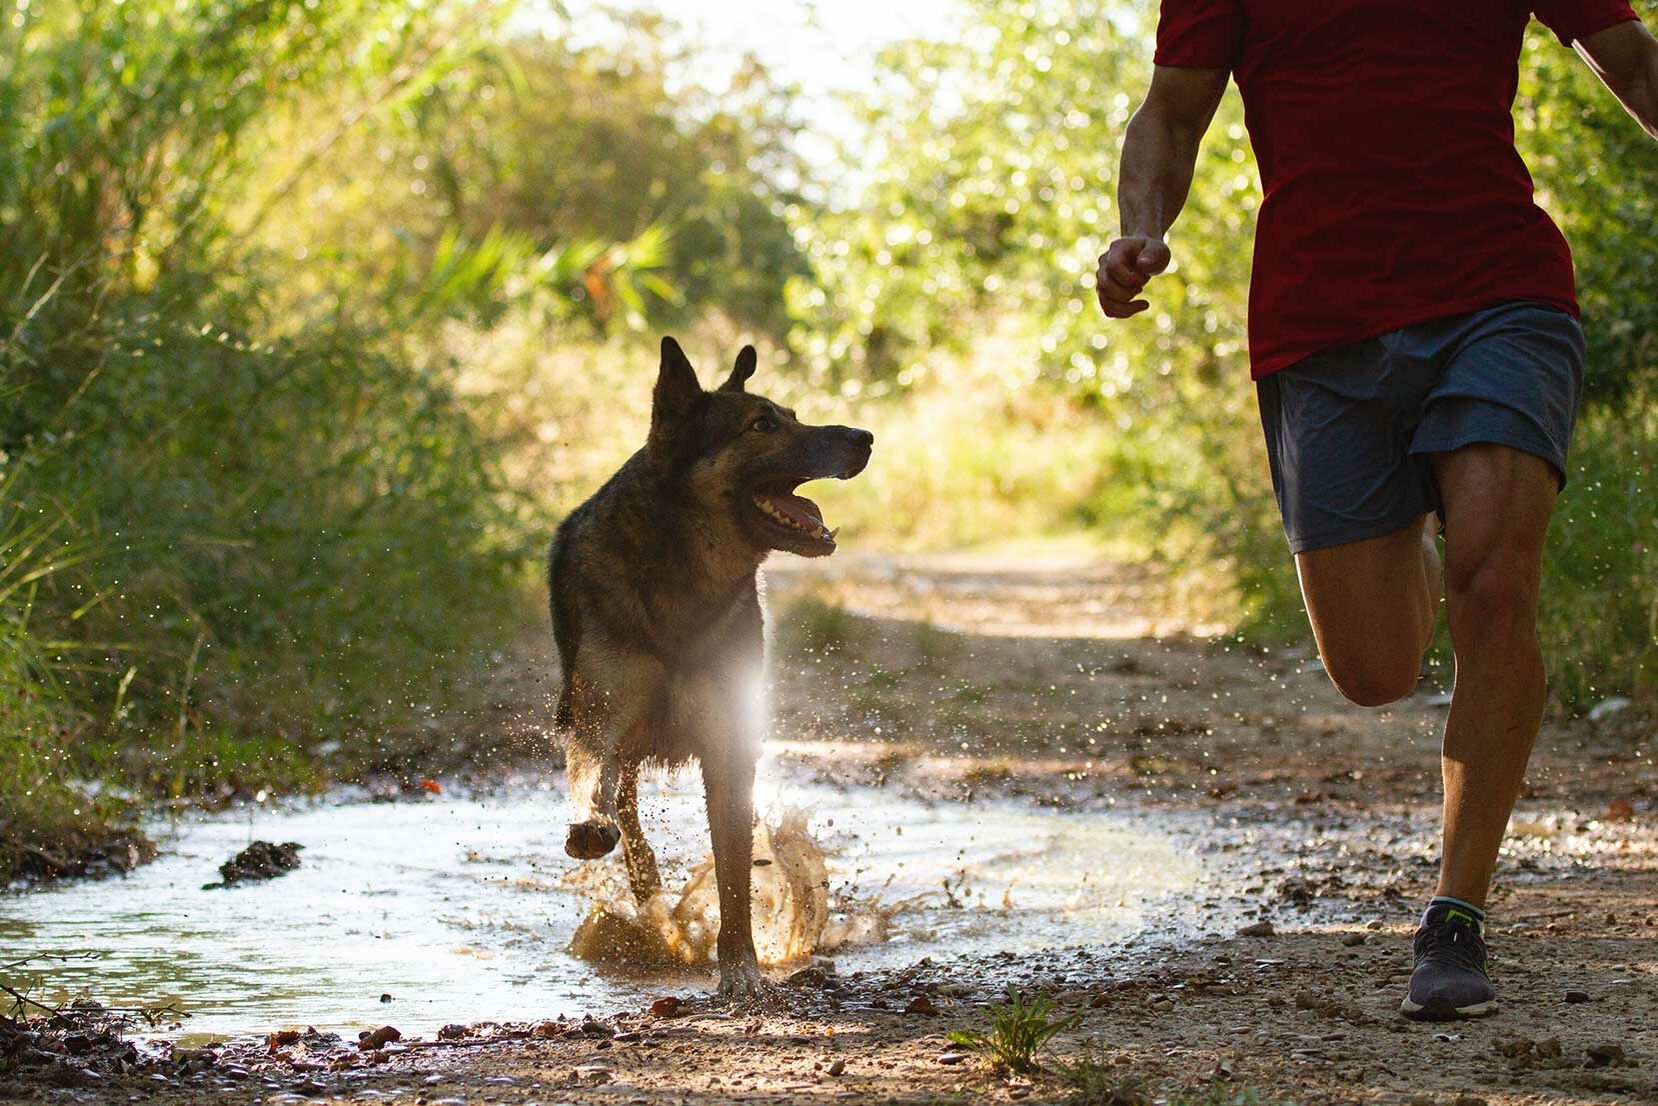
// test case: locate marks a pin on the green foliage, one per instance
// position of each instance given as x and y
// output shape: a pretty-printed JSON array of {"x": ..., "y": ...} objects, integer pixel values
[
  {"x": 1018, "y": 1031},
  {"x": 232, "y": 526},
  {"x": 990, "y": 197},
  {"x": 31, "y": 782},
  {"x": 563, "y": 150},
  {"x": 1599, "y": 623}
]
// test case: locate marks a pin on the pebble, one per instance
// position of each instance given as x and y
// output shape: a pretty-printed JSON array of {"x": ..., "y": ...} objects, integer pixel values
[
  {"x": 837, "y": 1067},
  {"x": 590, "y": 1073},
  {"x": 812, "y": 975},
  {"x": 1352, "y": 940},
  {"x": 1373, "y": 924},
  {"x": 1575, "y": 995},
  {"x": 920, "y": 1004},
  {"x": 1605, "y": 1055},
  {"x": 951, "y": 1057},
  {"x": 379, "y": 1038},
  {"x": 1258, "y": 929}
]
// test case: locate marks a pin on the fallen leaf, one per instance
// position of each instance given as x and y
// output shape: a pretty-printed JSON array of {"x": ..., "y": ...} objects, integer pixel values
[{"x": 282, "y": 1038}]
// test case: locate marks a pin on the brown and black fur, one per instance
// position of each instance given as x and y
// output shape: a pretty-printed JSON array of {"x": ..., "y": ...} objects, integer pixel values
[{"x": 661, "y": 638}]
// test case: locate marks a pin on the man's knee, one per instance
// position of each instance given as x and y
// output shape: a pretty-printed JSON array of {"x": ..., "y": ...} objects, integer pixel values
[
  {"x": 1492, "y": 595},
  {"x": 1371, "y": 678}
]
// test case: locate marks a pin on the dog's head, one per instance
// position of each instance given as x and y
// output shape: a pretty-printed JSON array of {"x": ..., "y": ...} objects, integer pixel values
[{"x": 745, "y": 454}]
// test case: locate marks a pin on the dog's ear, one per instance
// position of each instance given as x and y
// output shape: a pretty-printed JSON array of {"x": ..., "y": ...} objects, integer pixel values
[
  {"x": 741, "y": 371},
  {"x": 675, "y": 402}
]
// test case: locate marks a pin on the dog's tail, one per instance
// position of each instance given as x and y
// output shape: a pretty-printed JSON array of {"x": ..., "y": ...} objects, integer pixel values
[{"x": 566, "y": 627}]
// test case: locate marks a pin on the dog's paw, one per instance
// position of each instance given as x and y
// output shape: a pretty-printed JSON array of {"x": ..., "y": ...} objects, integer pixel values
[{"x": 591, "y": 840}]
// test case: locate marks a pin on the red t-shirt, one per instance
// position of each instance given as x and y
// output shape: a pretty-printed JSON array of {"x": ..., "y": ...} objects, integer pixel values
[{"x": 1393, "y": 192}]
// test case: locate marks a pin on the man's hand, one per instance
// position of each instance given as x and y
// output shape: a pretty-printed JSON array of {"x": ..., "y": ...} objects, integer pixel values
[
  {"x": 1159, "y": 153},
  {"x": 1125, "y": 267}
]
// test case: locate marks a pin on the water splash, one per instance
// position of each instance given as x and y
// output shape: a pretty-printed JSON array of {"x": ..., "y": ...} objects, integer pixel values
[{"x": 676, "y": 930}]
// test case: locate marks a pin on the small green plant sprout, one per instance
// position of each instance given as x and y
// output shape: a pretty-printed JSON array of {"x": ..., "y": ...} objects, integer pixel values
[{"x": 1018, "y": 1031}]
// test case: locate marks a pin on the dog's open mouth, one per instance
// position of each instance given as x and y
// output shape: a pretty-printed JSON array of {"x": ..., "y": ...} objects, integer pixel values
[{"x": 792, "y": 514}]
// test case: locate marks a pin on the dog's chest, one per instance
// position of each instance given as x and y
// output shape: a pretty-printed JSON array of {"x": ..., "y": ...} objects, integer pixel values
[{"x": 697, "y": 631}]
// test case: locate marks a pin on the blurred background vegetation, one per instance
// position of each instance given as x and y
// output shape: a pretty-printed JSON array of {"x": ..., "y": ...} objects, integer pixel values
[{"x": 317, "y": 317}]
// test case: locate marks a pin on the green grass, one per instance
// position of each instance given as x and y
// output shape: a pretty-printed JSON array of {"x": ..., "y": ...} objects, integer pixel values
[{"x": 1018, "y": 1031}]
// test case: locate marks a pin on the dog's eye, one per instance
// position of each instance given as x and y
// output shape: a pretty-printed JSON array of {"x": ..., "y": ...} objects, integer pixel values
[{"x": 765, "y": 424}]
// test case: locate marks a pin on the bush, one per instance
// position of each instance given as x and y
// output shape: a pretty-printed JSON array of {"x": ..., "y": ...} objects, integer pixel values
[{"x": 231, "y": 530}]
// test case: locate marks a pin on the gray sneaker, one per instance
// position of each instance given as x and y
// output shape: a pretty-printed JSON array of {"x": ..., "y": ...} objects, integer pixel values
[{"x": 1450, "y": 980}]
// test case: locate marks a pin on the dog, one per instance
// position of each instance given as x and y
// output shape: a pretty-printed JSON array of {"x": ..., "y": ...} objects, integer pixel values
[{"x": 657, "y": 616}]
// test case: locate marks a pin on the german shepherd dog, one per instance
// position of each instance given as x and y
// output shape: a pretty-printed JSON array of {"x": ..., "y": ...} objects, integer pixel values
[{"x": 657, "y": 617}]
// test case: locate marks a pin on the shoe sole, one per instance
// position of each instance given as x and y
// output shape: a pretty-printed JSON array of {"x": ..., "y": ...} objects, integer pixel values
[{"x": 1438, "y": 1010}]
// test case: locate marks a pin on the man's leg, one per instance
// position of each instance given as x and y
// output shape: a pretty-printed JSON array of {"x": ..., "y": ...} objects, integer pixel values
[
  {"x": 1372, "y": 605},
  {"x": 1498, "y": 502}
]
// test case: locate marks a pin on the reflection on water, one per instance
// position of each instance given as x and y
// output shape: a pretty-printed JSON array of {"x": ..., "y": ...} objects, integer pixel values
[{"x": 463, "y": 908}]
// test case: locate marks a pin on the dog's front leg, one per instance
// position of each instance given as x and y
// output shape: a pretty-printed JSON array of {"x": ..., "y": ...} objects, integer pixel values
[
  {"x": 643, "y": 875},
  {"x": 609, "y": 706},
  {"x": 728, "y": 782}
]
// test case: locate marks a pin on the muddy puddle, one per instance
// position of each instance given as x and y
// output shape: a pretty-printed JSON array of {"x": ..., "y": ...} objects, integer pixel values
[{"x": 463, "y": 907}]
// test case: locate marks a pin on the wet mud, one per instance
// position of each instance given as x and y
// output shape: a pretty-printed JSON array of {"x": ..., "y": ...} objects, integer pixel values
[{"x": 259, "y": 861}]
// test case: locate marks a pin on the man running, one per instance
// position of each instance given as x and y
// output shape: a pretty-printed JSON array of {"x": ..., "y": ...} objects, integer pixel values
[{"x": 1414, "y": 340}]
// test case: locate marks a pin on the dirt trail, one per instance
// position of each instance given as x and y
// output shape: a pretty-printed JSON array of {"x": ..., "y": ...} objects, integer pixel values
[{"x": 956, "y": 678}]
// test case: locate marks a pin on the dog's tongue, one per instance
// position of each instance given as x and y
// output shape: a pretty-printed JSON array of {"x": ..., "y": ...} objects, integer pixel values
[{"x": 802, "y": 511}]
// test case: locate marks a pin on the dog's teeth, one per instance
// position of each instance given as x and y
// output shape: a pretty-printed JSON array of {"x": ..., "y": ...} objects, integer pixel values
[{"x": 832, "y": 534}]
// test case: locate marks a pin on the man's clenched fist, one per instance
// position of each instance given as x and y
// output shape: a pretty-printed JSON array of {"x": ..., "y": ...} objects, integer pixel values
[{"x": 1125, "y": 266}]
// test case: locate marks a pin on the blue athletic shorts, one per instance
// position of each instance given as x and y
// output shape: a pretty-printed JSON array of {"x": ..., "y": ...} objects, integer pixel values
[{"x": 1349, "y": 429}]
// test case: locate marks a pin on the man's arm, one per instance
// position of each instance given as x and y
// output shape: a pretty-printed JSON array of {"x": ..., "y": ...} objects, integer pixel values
[
  {"x": 1625, "y": 58},
  {"x": 1159, "y": 154}
]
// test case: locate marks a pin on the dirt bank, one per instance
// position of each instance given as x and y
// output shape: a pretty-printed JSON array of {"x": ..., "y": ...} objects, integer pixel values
[{"x": 957, "y": 679}]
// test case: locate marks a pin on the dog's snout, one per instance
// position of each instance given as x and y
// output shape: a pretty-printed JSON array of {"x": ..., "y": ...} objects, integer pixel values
[{"x": 861, "y": 438}]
